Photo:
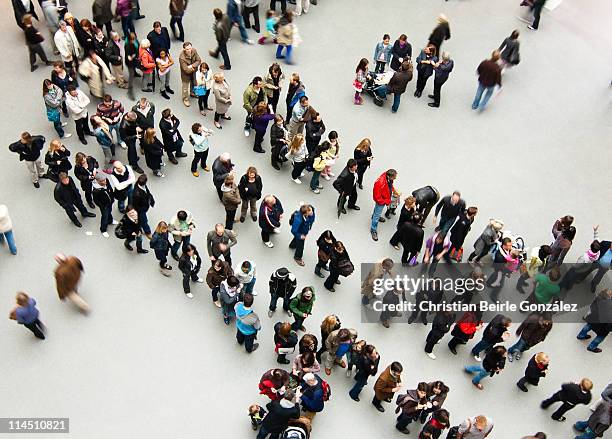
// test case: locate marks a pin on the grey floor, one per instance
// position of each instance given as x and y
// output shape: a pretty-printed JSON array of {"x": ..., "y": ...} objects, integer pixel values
[{"x": 150, "y": 363}]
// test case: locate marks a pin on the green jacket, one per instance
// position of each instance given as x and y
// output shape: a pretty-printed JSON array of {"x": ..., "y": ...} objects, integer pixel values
[
  {"x": 300, "y": 307},
  {"x": 250, "y": 97}
]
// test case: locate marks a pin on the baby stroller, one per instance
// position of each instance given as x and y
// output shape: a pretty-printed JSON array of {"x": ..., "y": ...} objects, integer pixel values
[
  {"x": 374, "y": 81},
  {"x": 298, "y": 429},
  {"x": 518, "y": 243}
]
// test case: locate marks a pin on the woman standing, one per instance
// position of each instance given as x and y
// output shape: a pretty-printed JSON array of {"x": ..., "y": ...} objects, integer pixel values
[
  {"x": 329, "y": 324},
  {"x": 54, "y": 99},
  {"x": 401, "y": 51},
  {"x": 261, "y": 117},
  {"x": 97, "y": 73},
  {"x": 320, "y": 156},
  {"x": 85, "y": 169},
  {"x": 223, "y": 98},
  {"x": 273, "y": 84},
  {"x": 26, "y": 314},
  {"x": 561, "y": 247},
  {"x": 132, "y": 229},
  {"x": 411, "y": 236},
  {"x": 147, "y": 65},
  {"x": 231, "y": 200},
  {"x": 279, "y": 139},
  {"x": 339, "y": 265},
  {"x": 57, "y": 160},
  {"x": 61, "y": 78},
  {"x": 164, "y": 64},
  {"x": 250, "y": 188},
  {"x": 131, "y": 61},
  {"x": 325, "y": 243},
  {"x": 161, "y": 246},
  {"x": 153, "y": 151},
  {"x": 509, "y": 50},
  {"x": 105, "y": 140},
  {"x": 297, "y": 153},
  {"x": 425, "y": 62},
  {"x": 199, "y": 139},
  {"x": 363, "y": 157},
  {"x": 171, "y": 136},
  {"x": 285, "y": 340},
  {"x": 33, "y": 41},
  {"x": 203, "y": 86},
  {"x": 190, "y": 263}
]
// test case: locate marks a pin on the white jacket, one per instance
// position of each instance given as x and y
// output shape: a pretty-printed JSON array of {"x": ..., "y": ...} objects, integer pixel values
[
  {"x": 77, "y": 104},
  {"x": 6, "y": 225},
  {"x": 62, "y": 40}
]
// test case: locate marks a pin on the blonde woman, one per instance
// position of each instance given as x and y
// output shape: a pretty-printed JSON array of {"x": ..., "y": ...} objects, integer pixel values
[
  {"x": 223, "y": 98},
  {"x": 363, "y": 156},
  {"x": 57, "y": 160},
  {"x": 330, "y": 324},
  {"x": 161, "y": 245},
  {"x": 153, "y": 151},
  {"x": 297, "y": 153},
  {"x": 333, "y": 152}
]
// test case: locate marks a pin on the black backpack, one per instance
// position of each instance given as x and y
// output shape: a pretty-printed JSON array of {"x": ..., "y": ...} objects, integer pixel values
[{"x": 292, "y": 217}]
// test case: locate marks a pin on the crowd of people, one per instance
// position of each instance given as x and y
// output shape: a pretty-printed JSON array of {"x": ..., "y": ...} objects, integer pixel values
[{"x": 92, "y": 52}]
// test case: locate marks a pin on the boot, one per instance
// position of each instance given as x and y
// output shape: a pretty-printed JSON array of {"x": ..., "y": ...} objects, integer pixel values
[
  {"x": 318, "y": 272},
  {"x": 127, "y": 245},
  {"x": 139, "y": 248},
  {"x": 164, "y": 94},
  {"x": 169, "y": 90},
  {"x": 282, "y": 359}
]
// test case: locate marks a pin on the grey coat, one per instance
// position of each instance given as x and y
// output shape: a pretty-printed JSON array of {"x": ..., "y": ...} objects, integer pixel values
[
  {"x": 600, "y": 419},
  {"x": 486, "y": 239},
  {"x": 223, "y": 97},
  {"x": 101, "y": 11}
]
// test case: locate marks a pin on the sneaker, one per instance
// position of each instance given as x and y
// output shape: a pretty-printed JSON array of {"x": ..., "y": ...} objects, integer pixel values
[
  {"x": 316, "y": 191},
  {"x": 270, "y": 313},
  {"x": 200, "y": 280},
  {"x": 67, "y": 136},
  {"x": 297, "y": 181},
  {"x": 518, "y": 356},
  {"x": 327, "y": 177},
  {"x": 431, "y": 355},
  {"x": 477, "y": 358},
  {"x": 115, "y": 222},
  {"x": 189, "y": 295},
  {"x": 269, "y": 244},
  {"x": 349, "y": 372},
  {"x": 247, "y": 132},
  {"x": 207, "y": 169},
  {"x": 217, "y": 304},
  {"x": 106, "y": 235},
  {"x": 64, "y": 124},
  {"x": 123, "y": 145},
  {"x": 510, "y": 357},
  {"x": 300, "y": 262},
  {"x": 374, "y": 235},
  {"x": 530, "y": 27},
  {"x": 303, "y": 174},
  {"x": 249, "y": 42},
  {"x": 254, "y": 293}
]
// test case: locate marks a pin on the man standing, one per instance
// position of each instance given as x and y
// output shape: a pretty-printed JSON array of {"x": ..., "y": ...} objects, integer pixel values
[
  {"x": 129, "y": 135},
  {"x": 219, "y": 242},
  {"x": 68, "y": 197},
  {"x": 449, "y": 208},
  {"x": 103, "y": 197},
  {"x": 115, "y": 59},
  {"x": 67, "y": 44},
  {"x": 387, "y": 384},
  {"x": 346, "y": 185},
  {"x": 489, "y": 75},
  {"x": 221, "y": 168},
  {"x": 247, "y": 323},
  {"x": 315, "y": 128},
  {"x": 177, "y": 10},
  {"x": 102, "y": 14},
  {"x": 397, "y": 86},
  {"x": 77, "y": 103},
  {"x": 222, "y": 28},
  {"x": 28, "y": 147},
  {"x": 159, "y": 39},
  {"x": 442, "y": 70},
  {"x": 111, "y": 112},
  {"x": 253, "y": 95},
  {"x": 299, "y": 116},
  {"x": 383, "y": 189},
  {"x": 303, "y": 219},
  {"x": 189, "y": 61}
]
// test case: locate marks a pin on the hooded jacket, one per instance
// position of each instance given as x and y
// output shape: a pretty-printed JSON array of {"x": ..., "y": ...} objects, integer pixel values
[
  {"x": 282, "y": 286},
  {"x": 247, "y": 322},
  {"x": 300, "y": 307}
]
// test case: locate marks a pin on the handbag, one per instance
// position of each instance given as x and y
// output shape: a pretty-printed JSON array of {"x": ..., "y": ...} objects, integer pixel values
[
  {"x": 324, "y": 257},
  {"x": 199, "y": 90},
  {"x": 119, "y": 231},
  {"x": 53, "y": 115},
  {"x": 413, "y": 261}
]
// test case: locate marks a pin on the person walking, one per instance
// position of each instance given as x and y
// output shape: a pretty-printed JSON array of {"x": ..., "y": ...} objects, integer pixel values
[
  {"x": 339, "y": 265},
  {"x": 509, "y": 51},
  {"x": 29, "y": 148},
  {"x": 535, "y": 7},
  {"x": 442, "y": 70},
  {"x": 233, "y": 12},
  {"x": 181, "y": 227},
  {"x": 440, "y": 33},
  {"x": 67, "y": 276},
  {"x": 397, "y": 85},
  {"x": 367, "y": 366},
  {"x": 231, "y": 200},
  {"x": 489, "y": 76},
  {"x": 247, "y": 323},
  {"x": 532, "y": 330},
  {"x": 26, "y": 314},
  {"x": 388, "y": 383},
  {"x": 282, "y": 286},
  {"x": 190, "y": 263},
  {"x": 131, "y": 61},
  {"x": 103, "y": 197},
  {"x": 570, "y": 395},
  {"x": 536, "y": 369},
  {"x": 465, "y": 328},
  {"x": 597, "y": 424},
  {"x": 382, "y": 191},
  {"x": 222, "y": 29},
  {"x": 346, "y": 185},
  {"x": 250, "y": 188},
  {"x": 598, "y": 320},
  {"x": 199, "y": 140},
  {"x": 6, "y": 229},
  {"x": 493, "y": 363},
  {"x": 96, "y": 72},
  {"x": 487, "y": 239},
  {"x": 441, "y": 324},
  {"x": 495, "y": 332},
  {"x": 448, "y": 209},
  {"x": 161, "y": 246},
  {"x": 270, "y": 214},
  {"x": 251, "y": 7},
  {"x": 303, "y": 220},
  {"x": 425, "y": 62},
  {"x": 124, "y": 12},
  {"x": 68, "y": 197},
  {"x": 171, "y": 136},
  {"x": 189, "y": 61},
  {"x": 219, "y": 242},
  {"x": 285, "y": 37},
  {"x": 223, "y": 98},
  {"x": 33, "y": 40},
  {"x": 177, "y": 11}
]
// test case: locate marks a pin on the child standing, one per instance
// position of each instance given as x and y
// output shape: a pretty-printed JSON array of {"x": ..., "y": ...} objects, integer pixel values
[
  {"x": 382, "y": 54},
  {"x": 361, "y": 76},
  {"x": 332, "y": 153},
  {"x": 256, "y": 413},
  {"x": 270, "y": 32}
]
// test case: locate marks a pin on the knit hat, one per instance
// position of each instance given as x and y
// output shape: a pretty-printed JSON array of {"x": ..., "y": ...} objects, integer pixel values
[{"x": 282, "y": 272}]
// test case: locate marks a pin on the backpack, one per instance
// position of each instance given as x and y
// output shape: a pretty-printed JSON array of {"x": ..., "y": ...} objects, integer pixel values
[
  {"x": 401, "y": 400},
  {"x": 326, "y": 390},
  {"x": 345, "y": 267},
  {"x": 292, "y": 217}
]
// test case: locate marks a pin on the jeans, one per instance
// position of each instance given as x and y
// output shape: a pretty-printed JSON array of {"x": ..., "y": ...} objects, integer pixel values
[
  {"x": 222, "y": 49},
  {"x": 106, "y": 217},
  {"x": 177, "y": 244},
  {"x": 10, "y": 240},
  {"x": 382, "y": 92},
  {"x": 128, "y": 200},
  {"x": 482, "y": 345},
  {"x": 58, "y": 128},
  {"x": 177, "y": 21},
  {"x": 279, "y": 52},
  {"x": 583, "y": 335},
  {"x": 356, "y": 390},
  {"x": 248, "y": 288},
  {"x": 298, "y": 323},
  {"x": 161, "y": 256},
  {"x": 298, "y": 167},
  {"x": 378, "y": 209},
  {"x": 115, "y": 127},
  {"x": 274, "y": 299},
  {"x": 519, "y": 346},
  {"x": 298, "y": 245},
  {"x": 246, "y": 339},
  {"x": 488, "y": 91},
  {"x": 403, "y": 420},
  {"x": 127, "y": 25},
  {"x": 142, "y": 214},
  {"x": 587, "y": 433},
  {"x": 478, "y": 370}
]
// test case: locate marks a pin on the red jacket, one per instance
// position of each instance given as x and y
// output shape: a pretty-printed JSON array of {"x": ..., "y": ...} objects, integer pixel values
[
  {"x": 382, "y": 194},
  {"x": 146, "y": 60}
]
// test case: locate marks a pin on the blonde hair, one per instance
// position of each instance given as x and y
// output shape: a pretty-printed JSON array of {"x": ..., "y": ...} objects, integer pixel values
[
  {"x": 218, "y": 77},
  {"x": 410, "y": 201},
  {"x": 145, "y": 43},
  {"x": 149, "y": 136},
  {"x": 541, "y": 357},
  {"x": 586, "y": 384},
  {"x": 22, "y": 298},
  {"x": 54, "y": 145},
  {"x": 296, "y": 142},
  {"x": 329, "y": 323},
  {"x": 365, "y": 143},
  {"x": 162, "y": 227}
]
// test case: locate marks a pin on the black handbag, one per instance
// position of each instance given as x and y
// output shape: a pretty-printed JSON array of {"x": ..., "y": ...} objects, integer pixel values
[{"x": 119, "y": 231}]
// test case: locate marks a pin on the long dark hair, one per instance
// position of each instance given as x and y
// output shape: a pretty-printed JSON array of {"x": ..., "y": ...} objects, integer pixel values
[
  {"x": 362, "y": 65},
  {"x": 47, "y": 84}
]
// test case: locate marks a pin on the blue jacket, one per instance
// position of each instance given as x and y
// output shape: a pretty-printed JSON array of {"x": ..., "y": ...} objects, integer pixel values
[
  {"x": 380, "y": 47},
  {"x": 247, "y": 321},
  {"x": 312, "y": 396},
  {"x": 27, "y": 314},
  {"x": 301, "y": 225}
]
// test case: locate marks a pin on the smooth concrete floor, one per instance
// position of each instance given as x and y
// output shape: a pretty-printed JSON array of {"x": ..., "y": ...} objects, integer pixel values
[{"x": 150, "y": 363}]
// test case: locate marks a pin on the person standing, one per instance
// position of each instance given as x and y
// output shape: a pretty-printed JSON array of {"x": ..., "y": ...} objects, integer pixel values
[
  {"x": 67, "y": 275},
  {"x": 219, "y": 242},
  {"x": 142, "y": 200},
  {"x": 388, "y": 383},
  {"x": 250, "y": 188},
  {"x": 282, "y": 285},
  {"x": 247, "y": 323},
  {"x": 189, "y": 60},
  {"x": 270, "y": 214},
  {"x": 161, "y": 246},
  {"x": 315, "y": 128},
  {"x": 221, "y": 168},
  {"x": 442, "y": 70},
  {"x": 363, "y": 156},
  {"x": 303, "y": 220},
  {"x": 273, "y": 84},
  {"x": 295, "y": 92},
  {"x": 164, "y": 63},
  {"x": 131, "y": 226},
  {"x": 458, "y": 231},
  {"x": 57, "y": 160},
  {"x": 111, "y": 112},
  {"x": 509, "y": 51},
  {"x": 223, "y": 98},
  {"x": 383, "y": 189},
  {"x": 251, "y": 7},
  {"x": 279, "y": 141},
  {"x": 68, "y": 197},
  {"x": 171, "y": 136},
  {"x": 102, "y": 195},
  {"x": 159, "y": 39},
  {"x": 382, "y": 54},
  {"x": 570, "y": 395},
  {"x": 339, "y": 265},
  {"x": 103, "y": 15},
  {"x": 253, "y": 95},
  {"x": 397, "y": 85},
  {"x": 68, "y": 46},
  {"x": 448, "y": 209},
  {"x": 181, "y": 227},
  {"x": 190, "y": 263},
  {"x": 301, "y": 307},
  {"x": 6, "y": 229},
  {"x": 247, "y": 276},
  {"x": 177, "y": 11},
  {"x": 21, "y": 8},
  {"x": 26, "y": 314},
  {"x": 367, "y": 366},
  {"x": 77, "y": 103},
  {"x": 146, "y": 62},
  {"x": 216, "y": 274},
  {"x": 598, "y": 320},
  {"x": 401, "y": 51},
  {"x": 231, "y": 200},
  {"x": 489, "y": 76},
  {"x": 262, "y": 115},
  {"x": 493, "y": 363},
  {"x": 153, "y": 152},
  {"x": 131, "y": 61},
  {"x": 426, "y": 62},
  {"x": 85, "y": 170},
  {"x": 478, "y": 427},
  {"x": 199, "y": 139},
  {"x": 29, "y": 148},
  {"x": 122, "y": 180},
  {"x": 536, "y": 369},
  {"x": 297, "y": 153},
  {"x": 54, "y": 99},
  {"x": 203, "y": 87},
  {"x": 280, "y": 412},
  {"x": 222, "y": 28},
  {"x": 346, "y": 185},
  {"x": 440, "y": 33}
]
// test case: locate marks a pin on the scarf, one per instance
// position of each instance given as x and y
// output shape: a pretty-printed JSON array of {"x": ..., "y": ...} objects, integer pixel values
[
  {"x": 591, "y": 256},
  {"x": 436, "y": 424}
]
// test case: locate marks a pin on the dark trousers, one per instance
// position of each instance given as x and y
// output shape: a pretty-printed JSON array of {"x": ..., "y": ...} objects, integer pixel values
[
  {"x": 36, "y": 49},
  {"x": 177, "y": 244},
  {"x": 222, "y": 49},
  {"x": 403, "y": 420},
  {"x": 482, "y": 345},
  {"x": 352, "y": 199},
  {"x": 127, "y": 25},
  {"x": 108, "y": 25},
  {"x": 380, "y": 67},
  {"x": 87, "y": 190},
  {"x": 259, "y": 137},
  {"x": 162, "y": 257},
  {"x": 177, "y": 22},
  {"x": 246, "y": 13},
  {"x": 37, "y": 328},
  {"x": 71, "y": 208},
  {"x": 360, "y": 173},
  {"x": 566, "y": 406},
  {"x": 432, "y": 338},
  {"x": 142, "y": 215},
  {"x": 356, "y": 390},
  {"x": 214, "y": 292},
  {"x": 274, "y": 299},
  {"x": 203, "y": 101},
  {"x": 437, "y": 88},
  {"x": 245, "y": 339},
  {"x": 332, "y": 278},
  {"x": 230, "y": 215},
  {"x": 106, "y": 217},
  {"x": 298, "y": 245},
  {"x": 407, "y": 255},
  {"x": 263, "y": 431},
  {"x": 377, "y": 402},
  {"x": 132, "y": 153},
  {"x": 395, "y": 239},
  {"x": 274, "y": 101},
  {"x": 186, "y": 277},
  {"x": 421, "y": 81},
  {"x": 298, "y": 167},
  {"x": 274, "y": 154},
  {"x": 298, "y": 323},
  {"x": 537, "y": 12},
  {"x": 199, "y": 157},
  {"x": 218, "y": 116},
  {"x": 283, "y": 5},
  {"x": 82, "y": 127}
]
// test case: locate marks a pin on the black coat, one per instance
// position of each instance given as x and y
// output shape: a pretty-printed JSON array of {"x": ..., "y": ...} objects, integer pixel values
[
  {"x": 411, "y": 237},
  {"x": 276, "y": 135},
  {"x": 142, "y": 199},
  {"x": 113, "y": 54},
  {"x": 130, "y": 227},
  {"x": 186, "y": 266},
  {"x": 28, "y": 152},
  {"x": 171, "y": 136},
  {"x": 439, "y": 34},
  {"x": 533, "y": 373},
  {"x": 400, "y": 52},
  {"x": 153, "y": 153},
  {"x": 442, "y": 323},
  {"x": 282, "y": 287},
  {"x": 159, "y": 41},
  {"x": 66, "y": 195},
  {"x": 346, "y": 181},
  {"x": 362, "y": 159},
  {"x": 250, "y": 190},
  {"x": 494, "y": 330},
  {"x": 572, "y": 393},
  {"x": 405, "y": 216},
  {"x": 85, "y": 175},
  {"x": 493, "y": 361},
  {"x": 143, "y": 121},
  {"x": 314, "y": 131},
  {"x": 51, "y": 160},
  {"x": 103, "y": 197},
  {"x": 460, "y": 229},
  {"x": 277, "y": 419},
  {"x": 20, "y": 11},
  {"x": 220, "y": 171},
  {"x": 366, "y": 368}
]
